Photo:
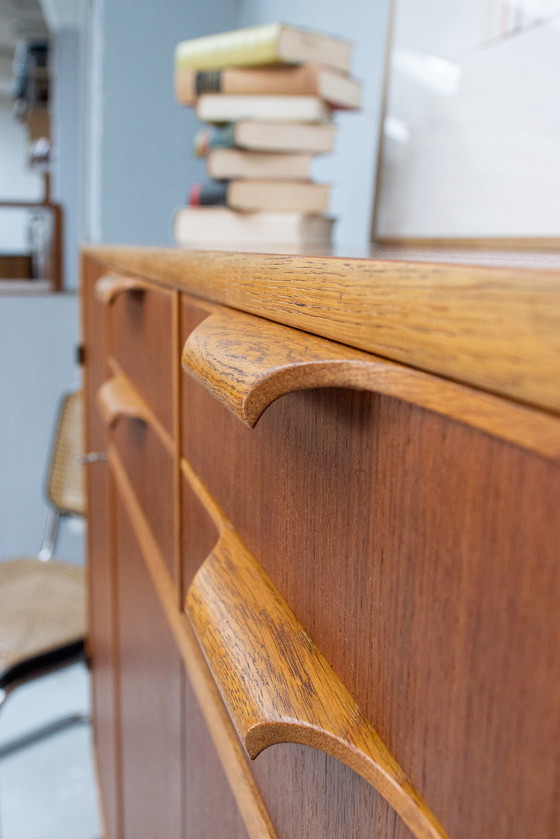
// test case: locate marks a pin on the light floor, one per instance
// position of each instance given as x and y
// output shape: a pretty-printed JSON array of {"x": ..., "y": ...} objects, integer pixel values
[{"x": 47, "y": 790}]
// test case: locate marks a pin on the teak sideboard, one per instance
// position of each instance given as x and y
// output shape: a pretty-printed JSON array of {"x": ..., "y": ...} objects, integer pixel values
[{"x": 323, "y": 545}]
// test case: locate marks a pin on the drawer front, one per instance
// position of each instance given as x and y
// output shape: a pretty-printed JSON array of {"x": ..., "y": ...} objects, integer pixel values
[
  {"x": 150, "y": 469},
  {"x": 420, "y": 554},
  {"x": 144, "y": 345}
]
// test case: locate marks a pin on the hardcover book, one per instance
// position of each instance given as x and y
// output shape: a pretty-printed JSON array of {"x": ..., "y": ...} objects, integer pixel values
[
  {"x": 315, "y": 138},
  {"x": 223, "y": 107},
  {"x": 270, "y": 43},
  {"x": 231, "y": 163},
  {"x": 250, "y": 194},
  {"x": 336, "y": 89},
  {"x": 210, "y": 226}
]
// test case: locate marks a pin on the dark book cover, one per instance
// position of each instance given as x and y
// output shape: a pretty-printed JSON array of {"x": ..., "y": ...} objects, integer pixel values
[
  {"x": 221, "y": 137},
  {"x": 208, "y": 194}
]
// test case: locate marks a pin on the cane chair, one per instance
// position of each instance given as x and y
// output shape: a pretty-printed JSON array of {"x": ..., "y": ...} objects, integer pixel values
[{"x": 42, "y": 600}]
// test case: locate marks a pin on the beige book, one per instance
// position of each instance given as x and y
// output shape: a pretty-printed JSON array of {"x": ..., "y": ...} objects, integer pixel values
[
  {"x": 224, "y": 107},
  {"x": 337, "y": 89},
  {"x": 240, "y": 163},
  {"x": 210, "y": 226}
]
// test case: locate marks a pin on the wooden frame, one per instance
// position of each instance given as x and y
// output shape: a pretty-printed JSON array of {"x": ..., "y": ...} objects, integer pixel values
[{"x": 56, "y": 278}]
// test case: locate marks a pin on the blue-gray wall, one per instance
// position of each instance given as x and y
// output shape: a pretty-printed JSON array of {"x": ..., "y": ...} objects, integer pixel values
[
  {"x": 146, "y": 163},
  {"x": 38, "y": 335}
]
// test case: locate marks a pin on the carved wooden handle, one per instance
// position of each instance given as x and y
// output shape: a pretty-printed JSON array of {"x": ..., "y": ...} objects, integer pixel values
[
  {"x": 276, "y": 684},
  {"x": 247, "y": 362},
  {"x": 109, "y": 286},
  {"x": 117, "y": 400}
]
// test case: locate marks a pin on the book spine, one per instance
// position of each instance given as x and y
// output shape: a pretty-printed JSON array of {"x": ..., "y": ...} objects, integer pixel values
[
  {"x": 225, "y": 164},
  {"x": 208, "y": 81},
  {"x": 303, "y": 80},
  {"x": 224, "y": 107},
  {"x": 208, "y": 194}
]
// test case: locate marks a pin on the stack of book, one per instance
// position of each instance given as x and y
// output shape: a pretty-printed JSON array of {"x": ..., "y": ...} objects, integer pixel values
[{"x": 267, "y": 95}]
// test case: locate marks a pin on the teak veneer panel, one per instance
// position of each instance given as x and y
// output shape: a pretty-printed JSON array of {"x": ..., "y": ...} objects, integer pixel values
[
  {"x": 138, "y": 311},
  {"x": 277, "y": 685},
  {"x": 210, "y": 808},
  {"x": 119, "y": 400},
  {"x": 151, "y": 470},
  {"x": 151, "y": 704},
  {"x": 148, "y": 455},
  {"x": 421, "y": 556},
  {"x": 416, "y": 543},
  {"x": 248, "y": 362},
  {"x": 493, "y": 327},
  {"x": 109, "y": 286}
]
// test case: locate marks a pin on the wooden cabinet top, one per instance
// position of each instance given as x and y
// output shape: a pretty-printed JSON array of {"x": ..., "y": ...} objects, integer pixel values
[{"x": 487, "y": 319}]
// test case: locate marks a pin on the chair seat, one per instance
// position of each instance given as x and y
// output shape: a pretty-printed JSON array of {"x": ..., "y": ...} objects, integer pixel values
[{"x": 42, "y": 607}]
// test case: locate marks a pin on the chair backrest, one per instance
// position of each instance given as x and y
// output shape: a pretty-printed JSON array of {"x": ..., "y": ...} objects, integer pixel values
[{"x": 65, "y": 479}]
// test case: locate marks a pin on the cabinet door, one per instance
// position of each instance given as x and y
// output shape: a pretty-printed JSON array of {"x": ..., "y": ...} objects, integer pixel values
[
  {"x": 210, "y": 808},
  {"x": 419, "y": 553},
  {"x": 151, "y": 694}
]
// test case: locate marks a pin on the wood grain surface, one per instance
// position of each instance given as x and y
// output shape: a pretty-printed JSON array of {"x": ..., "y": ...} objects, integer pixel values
[
  {"x": 248, "y": 362},
  {"x": 275, "y": 682},
  {"x": 421, "y": 555},
  {"x": 150, "y": 698},
  {"x": 119, "y": 400},
  {"x": 249, "y": 801},
  {"x": 110, "y": 285},
  {"x": 210, "y": 808},
  {"x": 493, "y": 327},
  {"x": 134, "y": 320},
  {"x": 101, "y": 565},
  {"x": 150, "y": 467},
  {"x": 416, "y": 545}
]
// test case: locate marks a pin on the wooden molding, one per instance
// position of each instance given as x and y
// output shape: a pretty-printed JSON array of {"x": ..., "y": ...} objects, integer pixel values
[
  {"x": 277, "y": 685},
  {"x": 494, "y": 326},
  {"x": 118, "y": 399},
  {"x": 109, "y": 286},
  {"x": 55, "y": 256},
  {"x": 248, "y": 362},
  {"x": 506, "y": 244}
]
